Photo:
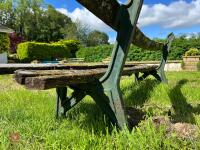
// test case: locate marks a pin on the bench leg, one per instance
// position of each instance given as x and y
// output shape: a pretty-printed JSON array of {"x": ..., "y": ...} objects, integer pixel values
[
  {"x": 166, "y": 49},
  {"x": 61, "y": 98},
  {"x": 153, "y": 73},
  {"x": 109, "y": 101},
  {"x": 65, "y": 103},
  {"x": 72, "y": 101},
  {"x": 136, "y": 77},
  {"x": 145, "y": 75}
]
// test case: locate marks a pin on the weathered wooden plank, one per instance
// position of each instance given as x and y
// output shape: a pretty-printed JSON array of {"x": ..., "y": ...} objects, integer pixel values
[
  {"x": 46, "y": 79},
  {"x": 10, "y": 68},
  {"x": 72, "y": 77},
  {"x": 107, "y": 11},
  {"x": 20, "y": 75}
]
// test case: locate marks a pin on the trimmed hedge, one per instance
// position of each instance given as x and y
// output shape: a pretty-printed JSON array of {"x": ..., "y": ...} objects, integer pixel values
[
  {"x": 73, "y": 45},
  {"x": 4, "y": 42},
  {"x": 97, "y": 54},
  {"x": 30, "y": 51},
  {"x": 178, "y": 49}
]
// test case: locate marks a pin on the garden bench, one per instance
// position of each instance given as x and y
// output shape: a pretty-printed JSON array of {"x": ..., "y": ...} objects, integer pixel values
[{"x": 104, "y": 90}]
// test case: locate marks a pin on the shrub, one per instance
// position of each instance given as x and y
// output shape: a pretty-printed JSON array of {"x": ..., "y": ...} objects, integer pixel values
[
  {"x": 192, "y": 52},
  {"x": 14, "y": 41},
  {"x": 29, "y": 51},
  {"x": 73, "y": 45},
  {"x": 178, "y": 49},
  {"x": 4, "y": 42}
]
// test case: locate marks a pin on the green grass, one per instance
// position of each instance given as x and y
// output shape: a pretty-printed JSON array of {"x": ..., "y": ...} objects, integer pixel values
[{"x": 30, "y": 114}]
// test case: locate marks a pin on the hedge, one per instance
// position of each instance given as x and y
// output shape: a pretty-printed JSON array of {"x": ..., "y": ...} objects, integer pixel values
[
  {"x": 178, "y": 49},
  {"x": 30, "y": 51},
  {"x": 97, "y": 54},
  {"x": 94, "y": 54},
  {"x": 4, "y": 42},
  {"x": 73, "y": 45}
]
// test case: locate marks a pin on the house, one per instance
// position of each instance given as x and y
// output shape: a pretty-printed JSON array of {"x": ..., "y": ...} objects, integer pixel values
[
  {"x": 4, "y": 29},
  {"x": 3, "y": 54}
]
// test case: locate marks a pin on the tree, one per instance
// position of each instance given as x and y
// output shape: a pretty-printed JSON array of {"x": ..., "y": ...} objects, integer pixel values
[
  {"x": 97, "y": 38},
  {"x": 32, "y": 20},
  {"x": 70, "y": 31},
  {"x": 7, "y": 13},
  {"x": 77, "y": 31},
  {"x": 56, "y": 22}
]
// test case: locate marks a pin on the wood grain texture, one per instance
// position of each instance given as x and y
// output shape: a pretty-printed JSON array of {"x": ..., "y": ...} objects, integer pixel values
[
  {"x": 10, "y": 68},
  {"x": 46, "y": 79}
]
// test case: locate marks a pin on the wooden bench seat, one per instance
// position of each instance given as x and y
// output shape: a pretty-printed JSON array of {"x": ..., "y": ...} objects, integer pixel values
[
  {"x": 46, "y": 79},
  {"x": 11, "y": 68}
]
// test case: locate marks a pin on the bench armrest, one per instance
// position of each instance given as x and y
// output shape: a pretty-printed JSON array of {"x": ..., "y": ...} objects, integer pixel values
[{"x": 166, "y": 49}]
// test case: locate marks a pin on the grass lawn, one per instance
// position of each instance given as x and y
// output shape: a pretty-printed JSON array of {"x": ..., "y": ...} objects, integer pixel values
[{"x": 27, "y": 117}]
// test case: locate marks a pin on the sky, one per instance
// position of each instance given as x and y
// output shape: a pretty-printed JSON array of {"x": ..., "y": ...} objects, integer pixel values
[{"x": 157, "y": 18}]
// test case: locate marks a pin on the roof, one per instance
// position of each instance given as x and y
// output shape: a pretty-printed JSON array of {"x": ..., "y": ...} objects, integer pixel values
[{"x": 4, "y": 29}]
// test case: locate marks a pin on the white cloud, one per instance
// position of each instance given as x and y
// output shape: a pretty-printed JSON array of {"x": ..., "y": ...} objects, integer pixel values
[
  {"x": 175, "y": 15},
  {"x": 178, "y": 14},
  {"x": 87, "y": 18}
]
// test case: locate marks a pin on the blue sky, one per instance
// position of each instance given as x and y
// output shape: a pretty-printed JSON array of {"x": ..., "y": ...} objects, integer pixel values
[{"x": 157, "y": 19}]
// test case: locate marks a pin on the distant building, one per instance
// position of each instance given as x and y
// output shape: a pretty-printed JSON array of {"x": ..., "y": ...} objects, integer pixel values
[
  {"x": 4, "y": 55},
  {"x": 4, "y": 29}
]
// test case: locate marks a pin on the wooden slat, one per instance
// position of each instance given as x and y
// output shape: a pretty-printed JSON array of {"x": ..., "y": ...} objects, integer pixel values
[
  {"x": 46, "y": 79},
  {"x": 10, "y": 68}
]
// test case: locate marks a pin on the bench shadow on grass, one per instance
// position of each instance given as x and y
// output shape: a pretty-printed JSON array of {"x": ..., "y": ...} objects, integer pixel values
[
  {"x": 90, "y": 118},
  {"x": 182, "y": 110},
  {"x": 139, "y": 93}
]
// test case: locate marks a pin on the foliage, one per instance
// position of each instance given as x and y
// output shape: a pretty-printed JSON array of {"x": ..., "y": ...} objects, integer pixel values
[
  {"x": 181, "y": 45},
  {"x": 96, "y": 54},
  {"x": 52, "y": 25},
  {"x": 97, "y": 38},
  {"x": 30, "y": 114},
  {"x": 37, "y": 21},
  {"x": 33, "y": 20},
  {"x": 71, "y": 31},
  {"x": 77, "y": 31},
  {"x": 192, "y": 52},
  {"x": 4, "y": 42},
  {"x": 73, "y": 45},
  {"x": 83, "y": 33},
  {"x": 7, "y": 13},
  {"x": 178, "y": 49},
  {"x": 14, "y": 41},
  {"x": 29, "y": 51}
]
